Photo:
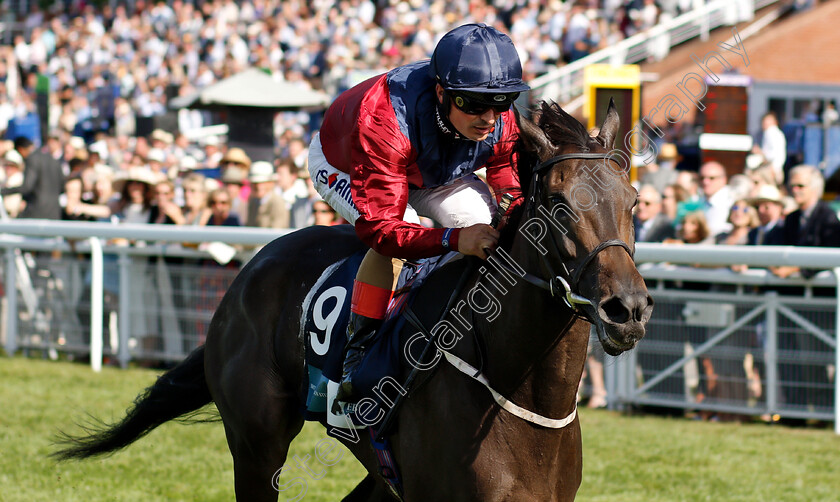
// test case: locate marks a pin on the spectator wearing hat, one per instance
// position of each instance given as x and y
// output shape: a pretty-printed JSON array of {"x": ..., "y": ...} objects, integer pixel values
[
  {"x": 212, "y": 153},
  {"x": 266, "y": 207},
  {"x": 232, "y": 181},
  {"x": 43, "y": 182},
  {"x": 186, "y": 165},
  {"x": 161, "y": 139},
  {"x": 156, "y": 159},
  {"x": 662, "y": 173},
  {"x": 235, "y": 157},
  {"x": 135, "y": 187},
  {"x": 13, "y": 167},
  {"x": 770, "y": 208}
]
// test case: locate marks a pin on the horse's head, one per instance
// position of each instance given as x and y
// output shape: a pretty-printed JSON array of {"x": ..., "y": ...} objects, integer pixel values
[{"x": 578, "y": 218}]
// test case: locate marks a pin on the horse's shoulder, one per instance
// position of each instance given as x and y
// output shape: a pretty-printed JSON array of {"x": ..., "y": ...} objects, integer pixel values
[{"x": 436, "y": 289}]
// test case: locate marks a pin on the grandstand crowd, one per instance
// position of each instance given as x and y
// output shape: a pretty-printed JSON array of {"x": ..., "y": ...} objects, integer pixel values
[{"x": 105, "y": 68}]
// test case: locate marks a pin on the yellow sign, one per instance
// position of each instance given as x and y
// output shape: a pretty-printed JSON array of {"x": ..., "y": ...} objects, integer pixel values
[{"x": 598, "y": 77}]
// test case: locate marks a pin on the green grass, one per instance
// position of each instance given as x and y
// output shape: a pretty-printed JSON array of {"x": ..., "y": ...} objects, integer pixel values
[{"x": 625, "y": 458}]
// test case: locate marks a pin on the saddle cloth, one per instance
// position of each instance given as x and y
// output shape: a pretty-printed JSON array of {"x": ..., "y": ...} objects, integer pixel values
[{"x": 325, "y": 314}]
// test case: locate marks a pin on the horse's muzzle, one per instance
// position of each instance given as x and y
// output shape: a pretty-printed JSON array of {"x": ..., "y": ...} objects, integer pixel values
[{"x": 621, "y": 321}]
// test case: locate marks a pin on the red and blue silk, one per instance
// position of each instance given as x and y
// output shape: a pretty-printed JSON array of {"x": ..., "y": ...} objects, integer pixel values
[{"x": 384, "y": 133}]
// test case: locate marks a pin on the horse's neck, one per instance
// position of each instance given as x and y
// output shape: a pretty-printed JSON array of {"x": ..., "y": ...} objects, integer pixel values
[{"x": 535, "y": 347}]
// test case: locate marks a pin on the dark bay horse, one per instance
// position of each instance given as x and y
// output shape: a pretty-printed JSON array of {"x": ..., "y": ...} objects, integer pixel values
[{"x": 571, "y": 239}]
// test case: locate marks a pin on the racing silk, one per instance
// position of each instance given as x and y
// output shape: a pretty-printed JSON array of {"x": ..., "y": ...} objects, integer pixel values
[{"x": 384, "y": 133}]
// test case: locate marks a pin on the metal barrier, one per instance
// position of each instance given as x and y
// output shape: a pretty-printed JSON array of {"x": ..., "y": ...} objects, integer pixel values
[
  {"x": 754, "y": 347},
  {"x": 141, "y": 301},
  {"x": 725, "y": 342}
]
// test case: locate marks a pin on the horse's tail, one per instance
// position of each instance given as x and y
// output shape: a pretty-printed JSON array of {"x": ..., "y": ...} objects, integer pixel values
[{"x": 179, "y": 391}]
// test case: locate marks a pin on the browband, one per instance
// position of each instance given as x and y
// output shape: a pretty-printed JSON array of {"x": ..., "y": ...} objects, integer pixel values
[{"x": 567, "y": 156}]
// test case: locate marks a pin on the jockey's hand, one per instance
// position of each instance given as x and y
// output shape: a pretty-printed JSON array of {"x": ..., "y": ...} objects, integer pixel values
[{"x": 475, "y": 239}]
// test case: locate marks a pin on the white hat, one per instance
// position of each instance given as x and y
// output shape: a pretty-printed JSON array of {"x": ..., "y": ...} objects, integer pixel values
[
  {"x": 754, "y": 161},
  {"x": 261, "y": 171},
  {"x": 767, "y": 193},
  {"x": 141, "y": 174},
  {"x": 156, "y": 155},
  {"x": 77, "y": 142},
  {"x": 188, "y": 163},
  {"x": 13, "y": 157},
  {"x": 162, "y": 136},
  {"x": 99, "y": 147},
  {"x": 211, "y": 184}
]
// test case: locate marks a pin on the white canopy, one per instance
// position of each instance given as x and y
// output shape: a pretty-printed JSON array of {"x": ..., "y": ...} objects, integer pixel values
[{"x": 253, "y": 87}]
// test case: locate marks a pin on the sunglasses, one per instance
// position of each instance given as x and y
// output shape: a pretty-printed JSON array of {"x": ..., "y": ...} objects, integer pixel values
[
  {"x": 320, "y": 211},
  {"x": 219, "y": 203},
  {"x": 741, "y": 209},
  {"x": 477, "y": 103}
]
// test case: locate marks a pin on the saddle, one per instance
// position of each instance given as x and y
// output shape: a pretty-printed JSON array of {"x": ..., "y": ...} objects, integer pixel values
[{"x": 326, "y": 310}]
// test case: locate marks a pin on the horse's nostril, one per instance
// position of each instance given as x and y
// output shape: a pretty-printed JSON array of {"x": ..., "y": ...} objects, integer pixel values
[
  {"x": 615, "y": 310},
  {"x": 643, "y": 310},
  {"x": 621, "y": 310}
]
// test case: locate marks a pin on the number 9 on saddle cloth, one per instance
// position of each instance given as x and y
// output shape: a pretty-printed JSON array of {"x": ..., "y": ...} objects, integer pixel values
[{"x": 326, "y": 310}]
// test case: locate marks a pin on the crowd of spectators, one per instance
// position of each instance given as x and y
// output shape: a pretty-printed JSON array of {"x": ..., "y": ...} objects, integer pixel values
[
  {"x": 105, "y": 72},
  {"x": 762, "y": 205}
]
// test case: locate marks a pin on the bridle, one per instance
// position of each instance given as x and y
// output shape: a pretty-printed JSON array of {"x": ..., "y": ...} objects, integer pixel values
[{"x": 561, "y": 287}]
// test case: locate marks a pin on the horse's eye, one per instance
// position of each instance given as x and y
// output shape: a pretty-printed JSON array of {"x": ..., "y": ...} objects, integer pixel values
[{"x": 556, "y": 198}]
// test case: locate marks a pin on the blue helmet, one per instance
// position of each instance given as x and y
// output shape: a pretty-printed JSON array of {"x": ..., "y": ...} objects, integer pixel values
[{"x": 477, "y": 58}]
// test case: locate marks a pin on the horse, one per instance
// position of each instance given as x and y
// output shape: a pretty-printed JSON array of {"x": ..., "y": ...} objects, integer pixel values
[{"x": 570, "y": 243}]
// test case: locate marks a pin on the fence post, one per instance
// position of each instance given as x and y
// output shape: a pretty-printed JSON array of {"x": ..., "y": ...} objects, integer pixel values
[
  {"x": 771, "y": 351},
  {"x": 96, "y": 303},
  {"x": 124, "y": 262},
  {"x": 11, "y": 303}
]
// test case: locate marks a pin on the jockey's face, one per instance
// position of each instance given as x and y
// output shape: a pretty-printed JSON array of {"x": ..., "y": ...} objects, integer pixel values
[{"x": 474, "y": 127}]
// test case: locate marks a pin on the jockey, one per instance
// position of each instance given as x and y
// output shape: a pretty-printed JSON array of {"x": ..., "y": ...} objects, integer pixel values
[{"x": 408, "y": 142}]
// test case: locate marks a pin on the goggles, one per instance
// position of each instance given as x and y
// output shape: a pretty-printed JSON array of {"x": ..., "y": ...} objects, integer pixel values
[{"x": 477, "y": 103}]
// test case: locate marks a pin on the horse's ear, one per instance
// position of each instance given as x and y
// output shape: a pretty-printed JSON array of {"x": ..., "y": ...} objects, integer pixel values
[
  {"x": 609, "y": 129},
  {"x": 533, "y": 137}
]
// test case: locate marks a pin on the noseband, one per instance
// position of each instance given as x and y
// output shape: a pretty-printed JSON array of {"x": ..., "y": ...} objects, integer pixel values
[{"x": 557, "y": 285}]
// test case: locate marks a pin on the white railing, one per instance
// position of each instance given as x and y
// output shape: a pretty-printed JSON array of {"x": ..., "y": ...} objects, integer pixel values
[
  {"x": 566, "y": 82},
  {"x": 657, "y": 262}
]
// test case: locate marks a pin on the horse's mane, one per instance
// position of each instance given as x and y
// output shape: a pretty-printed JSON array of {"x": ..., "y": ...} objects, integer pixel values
[{"x": 562, "y": 129}]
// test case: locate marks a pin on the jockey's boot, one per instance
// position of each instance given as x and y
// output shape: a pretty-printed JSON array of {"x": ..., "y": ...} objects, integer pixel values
[{"x": 361, "y": 331}]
